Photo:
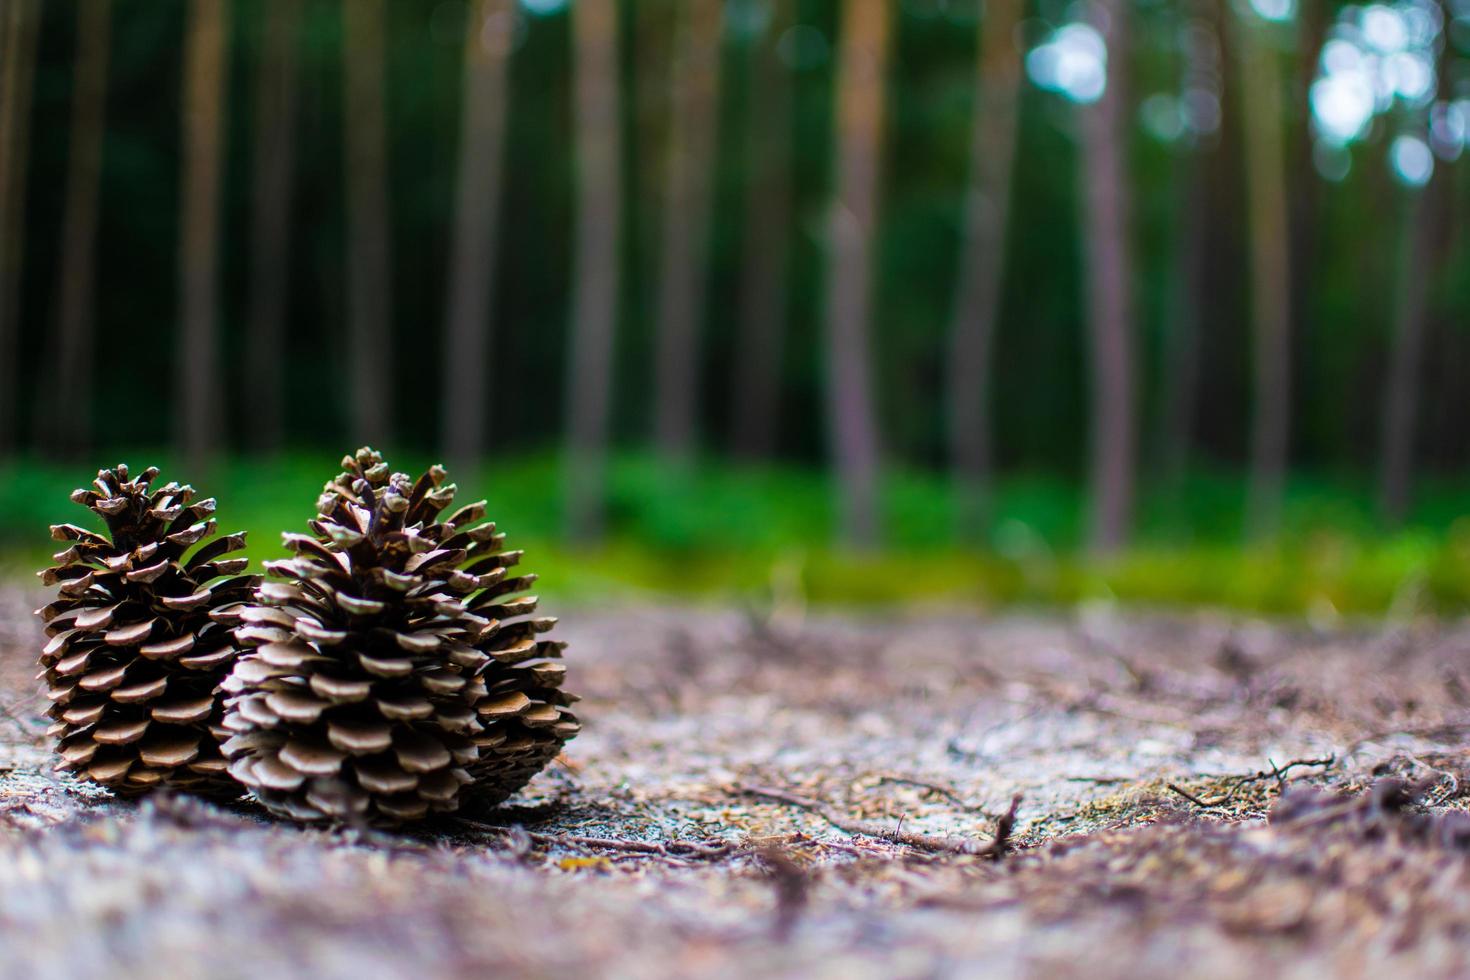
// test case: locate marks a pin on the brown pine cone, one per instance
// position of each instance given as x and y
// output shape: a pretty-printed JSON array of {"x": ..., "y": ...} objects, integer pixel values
[
  {"x": 136, "y": 657},
  {"x": 394, "y": 675}
]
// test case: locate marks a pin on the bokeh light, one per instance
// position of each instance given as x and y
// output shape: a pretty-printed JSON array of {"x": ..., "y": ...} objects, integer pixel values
[
  {"x": 1163, "y": 117},
  {"x": 544, "y": 8},
  {"x": 1448, "y": 125},
  {"x": 1380, "y": 62},
  {"x": 1072, "y": 62},
  {"x": 1342, "y": 106},
  {"x": 1274, "y": 10},
  {"x": 1412, "y": 162}
]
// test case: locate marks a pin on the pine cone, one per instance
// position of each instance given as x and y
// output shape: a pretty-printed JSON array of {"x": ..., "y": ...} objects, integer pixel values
[
  {"x": 394, "y": 675},
  {"x": 136, "y": 657}
]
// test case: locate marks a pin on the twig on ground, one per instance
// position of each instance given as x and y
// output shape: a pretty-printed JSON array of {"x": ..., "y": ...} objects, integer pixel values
[
  {"x": 1192, "y": 798},
  {"x": 670, "y": 848},
  {"x": 791, "y": 883},
  {"x": 1098, "y": 780},
  {"x": 667, "y": 849},
  {"x": 1238, "y": 782},
  {"x": 837, "y": 845},
  {"x": 923, "y": 842},
  {"x": 943, "y": 791},
  {"x": 1004, "y": 827},
  {"x": 1327, "y": 762},
  {"x": 789, "y": 842}
]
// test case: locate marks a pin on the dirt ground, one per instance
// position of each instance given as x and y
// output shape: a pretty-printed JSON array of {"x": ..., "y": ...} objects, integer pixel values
[{"x": 1199, "y": 796}]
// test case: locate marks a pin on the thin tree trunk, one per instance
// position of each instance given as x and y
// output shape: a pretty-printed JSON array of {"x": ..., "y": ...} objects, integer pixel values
[
  {"x": 204, "y": 94},
  {"x": 595, "y": 269},
  {"x": 21, "y": 26},
  {"x": 65, "y": 412},
  {"x": 1181, "y": 342},
  {"x": 1306, "y": 185},
  {"x": 1265, "y": 169},
  {"x": 1400, "y": 396},
  {"x": 369, "y": 266},
  {"x": 1424, "y": 240},
  {"x": 696, "y": 69},
  {"x": 755, "y": 411},
  {"x": 270, "y": 247},
  {"x": 1191, "y": 251},
  {"x": 645, "y": 155},
  {"x": 1109, "y": 259},
  {"x": 467, "y": 329},
  {"x": 852, "y": 425},
  {"x": 982, "y": 263}
]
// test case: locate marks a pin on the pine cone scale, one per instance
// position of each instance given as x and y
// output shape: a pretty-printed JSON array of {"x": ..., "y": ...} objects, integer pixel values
[
  {"x": 168, "y": 649},
  {"x": 184, "y": 711},
  {"x": 360, "y": 737},
  {"x": 140, "y": 691}
]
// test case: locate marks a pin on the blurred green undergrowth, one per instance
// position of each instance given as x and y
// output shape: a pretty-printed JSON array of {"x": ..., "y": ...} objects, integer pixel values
[{"x": 758, "y": 535}]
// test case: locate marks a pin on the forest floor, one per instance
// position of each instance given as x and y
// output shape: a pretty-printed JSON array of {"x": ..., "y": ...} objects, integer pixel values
[{"x": 1199, "y": 795}]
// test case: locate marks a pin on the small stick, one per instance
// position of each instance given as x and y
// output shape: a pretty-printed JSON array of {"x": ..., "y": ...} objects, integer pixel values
[
  {"x": 945, "y": 792},
  {"x": 923, "y": 842},
  {"x": 1195, "y": 799},
  {"x": 791, "y": 891},
  {"x": 626, "y": 845},
  {"x": 1004, "y": 827},
  {"x": 1275, "y": 772}
]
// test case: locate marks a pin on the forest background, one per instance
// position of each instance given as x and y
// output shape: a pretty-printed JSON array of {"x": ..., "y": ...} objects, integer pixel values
[{"x": 934, "y": 300}]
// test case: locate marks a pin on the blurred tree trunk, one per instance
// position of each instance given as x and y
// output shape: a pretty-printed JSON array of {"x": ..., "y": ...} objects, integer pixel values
[
  {"x": 1191, "y": 239},
  {"x": 595, "y": 121},
  {"x": 982, "y": 263},
  {"x": 1418, "y": 235},
  {"x": 199, "y": 388},
  {"x": 1265, "y": 178},
  {"x": 1181, "y": 342},
  {"x": 1424, "y": 240},
  {"x": 1306, "y": 184},
  {"x": 64, "y": 415},
  {"x": 1451, "y": 434},
  {"x": 861, "y": 70},
  {"x": 1109, "y": 290},
  {"x": 369, "y": 266},
  {"x": 467, "y": 369},
  {"x": 645, "y": 156},
  {"x": 270, "y": 245},
  {"x": 755, "y": 411},
  {"x": 685, "y": 247},
  {"x": 21, "y": 27}
]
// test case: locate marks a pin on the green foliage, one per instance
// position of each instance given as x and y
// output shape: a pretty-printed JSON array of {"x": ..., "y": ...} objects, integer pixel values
[{"x": 761, "y": 535}]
